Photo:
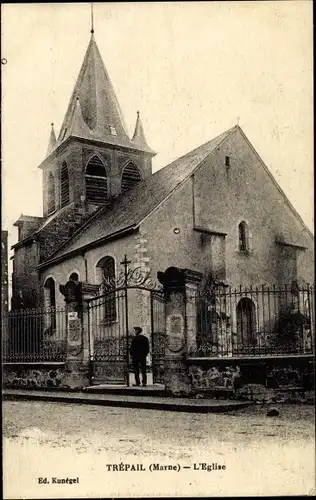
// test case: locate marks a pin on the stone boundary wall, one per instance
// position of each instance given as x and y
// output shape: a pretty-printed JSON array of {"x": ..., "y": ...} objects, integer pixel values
[
  {"x": 269, "y": 380},
  {"x": 38, "y": 376},
  {"x": 263, "y": 380}
]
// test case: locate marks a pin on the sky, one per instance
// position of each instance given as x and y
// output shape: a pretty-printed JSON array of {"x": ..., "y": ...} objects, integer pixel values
[{"x": 192, "y": 69}]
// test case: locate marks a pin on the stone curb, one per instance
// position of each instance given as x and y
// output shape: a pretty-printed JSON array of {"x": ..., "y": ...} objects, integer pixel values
[{"x": 140, "y": 403}]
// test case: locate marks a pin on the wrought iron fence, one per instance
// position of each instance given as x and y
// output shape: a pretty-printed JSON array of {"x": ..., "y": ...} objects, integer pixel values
[
  {"x": 34, "y": 335},
  {"x": 254, "y": 321}
]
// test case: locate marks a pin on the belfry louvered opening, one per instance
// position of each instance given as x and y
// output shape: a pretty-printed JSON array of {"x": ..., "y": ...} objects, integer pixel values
[
  {"x": 131, "y": 177},
  {"x": 96, "y": 181},
  {"x": 51, "y": 194},
  {"x": 64, "y": 185}
]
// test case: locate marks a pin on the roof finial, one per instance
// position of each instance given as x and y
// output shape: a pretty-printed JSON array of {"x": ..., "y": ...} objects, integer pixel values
[
  {"x": 139, "y": 136},
  {"x": 92, "y": 26},
  {"x": 52, "y": 141}
]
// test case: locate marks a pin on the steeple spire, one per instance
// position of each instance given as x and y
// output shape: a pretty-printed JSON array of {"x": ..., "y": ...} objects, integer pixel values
[
  {"x": 52, "y": 141},
  {"x": 98, "y": 115},
  {"x": 100, "y": 109},
  {"x": 139, "y": 138}
]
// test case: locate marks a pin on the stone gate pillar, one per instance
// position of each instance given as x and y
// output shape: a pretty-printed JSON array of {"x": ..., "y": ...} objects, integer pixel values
[
  {"x": 77, "y": 360},
  {"x": 192, "y": 281},
  {"x": 180, "y": 331}
]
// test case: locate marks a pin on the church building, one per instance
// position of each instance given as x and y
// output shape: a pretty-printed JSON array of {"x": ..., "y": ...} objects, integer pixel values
[{"x": 216, "y": 210}]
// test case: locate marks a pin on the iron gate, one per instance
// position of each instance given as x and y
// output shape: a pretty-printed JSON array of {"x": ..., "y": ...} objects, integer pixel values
[
  {"x": 108, "y": 339},
  {"x": 158, "y": 336},
  {"x": 110, "y": 316}
]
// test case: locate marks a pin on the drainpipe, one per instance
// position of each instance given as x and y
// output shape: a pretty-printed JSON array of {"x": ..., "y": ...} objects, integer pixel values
[{"x": 85, "y": 267}]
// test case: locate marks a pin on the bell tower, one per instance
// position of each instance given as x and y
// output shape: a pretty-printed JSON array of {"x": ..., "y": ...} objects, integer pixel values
[
  {"x": 93, "y": 160},
  {"x": 89, "y": 163}
]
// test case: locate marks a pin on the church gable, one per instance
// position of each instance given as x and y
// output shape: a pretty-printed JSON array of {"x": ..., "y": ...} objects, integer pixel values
[
  {"x": 235, "y": 185},
  {"x": 236, "y": 195}
]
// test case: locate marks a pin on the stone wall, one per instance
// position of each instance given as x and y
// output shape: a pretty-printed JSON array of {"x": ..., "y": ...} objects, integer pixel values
[
  {"x": 33, "y": 376},
  {"x": 261, "y": 380},
  {"x": 25, "y": 274},
  {"x": 61, "y": 227},
  {"x": 76, "y": 154},
  {"x": 27, "y": 256},
  {"x": 40, "y": 376}
]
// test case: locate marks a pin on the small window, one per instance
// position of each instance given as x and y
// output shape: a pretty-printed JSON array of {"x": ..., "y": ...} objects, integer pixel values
[
  {"x": 243, "y": 233},
  {"x": 106, "y": 273},
  {"x": 113, "y": 130},
  {"x": 227, "y": 161}
]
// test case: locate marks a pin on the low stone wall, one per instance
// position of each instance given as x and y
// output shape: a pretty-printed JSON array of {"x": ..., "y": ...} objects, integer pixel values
[
  {"x": 263, "y": 380},
  {"x": 43, "y": 376}
]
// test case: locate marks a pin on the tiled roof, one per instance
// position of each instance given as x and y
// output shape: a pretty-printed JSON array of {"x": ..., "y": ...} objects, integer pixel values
[{"x": 132, "y": 207}]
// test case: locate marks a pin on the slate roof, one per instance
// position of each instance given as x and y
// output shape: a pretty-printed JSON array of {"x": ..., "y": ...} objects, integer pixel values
[
  {"x": 129, "y": 209},
  {"x": 139, "y": 138},
  {"x": 52, "y": 141},
  {"x": 28, "y": 218},
  {"x": 42, "y": 222},
  {"x": 93, "y": 111}
]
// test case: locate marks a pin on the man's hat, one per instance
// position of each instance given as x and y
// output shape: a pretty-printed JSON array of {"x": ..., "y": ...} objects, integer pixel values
[{"x": 138, "y": 329}]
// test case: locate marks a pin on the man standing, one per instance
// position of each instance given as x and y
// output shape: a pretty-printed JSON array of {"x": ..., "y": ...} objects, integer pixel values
[{"x": 139, "y": 350}]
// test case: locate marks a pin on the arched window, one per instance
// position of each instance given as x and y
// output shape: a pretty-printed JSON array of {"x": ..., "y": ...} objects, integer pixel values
[
  {"x": 106, "y": 274},
  {"x": 64, "y": 185},
  {"x": 207, "y": 329},
  {"x": 50, "y": 303},
  {"x": 246, "y": 323},
  {"x": 243, "y": 234},
  {"x": 74, "y": 277},
  {"x": 96, "y": 182},
  {"x": 130, "y": 177},
  {"x": 51, "y": 194}
]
